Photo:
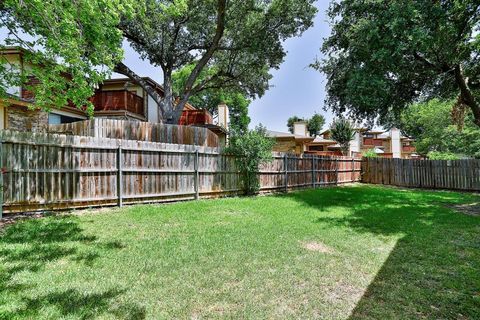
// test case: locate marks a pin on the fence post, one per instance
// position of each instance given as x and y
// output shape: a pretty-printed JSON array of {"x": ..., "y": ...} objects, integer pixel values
[
  {"x": 336, "y": 170},
  {"x": 285, "y": 164},
  {"x": 196, "y": 181},
  {"x": 353, "y": 169},
  {"x": 314, "y": 175},
  {"x": 119, "y": 176},
  {"x": 1, "y": 180}
]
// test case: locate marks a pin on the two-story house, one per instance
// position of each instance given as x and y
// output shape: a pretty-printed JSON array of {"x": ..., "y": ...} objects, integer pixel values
[
  {"x": 114, "y": 99},
  {"x": 388, "y": 144}
]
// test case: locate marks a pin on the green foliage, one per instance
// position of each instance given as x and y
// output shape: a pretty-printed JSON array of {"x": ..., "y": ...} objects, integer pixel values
[
  {"x": 74, "y": 46},
  {"x": 437, "y": 155},
  {"x": 251, "y": 148},
  {"x": 384, "y": 55},
  {"x": 291, "y": 121},
  {"x": 431, "y": 125},
  {"x": 236, "y": 101},
  {"x": 315, "y": 124},
  {"x": 230, "y": 44},
  {"x": 342, "y": 131},
  {"x": 370, "y": 153}
]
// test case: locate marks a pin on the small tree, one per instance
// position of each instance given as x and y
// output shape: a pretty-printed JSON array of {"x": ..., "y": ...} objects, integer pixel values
[
  {"x": 342, "y": 131},
  {"x": 370, "y": 153},
  {"x": 315, "y": 124},
  {"x": 250, "y": 149}
]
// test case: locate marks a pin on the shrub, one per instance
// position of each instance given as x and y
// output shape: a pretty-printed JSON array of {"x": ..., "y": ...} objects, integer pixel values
[
  {"x": 370, "y": 153},
  {"x": 436, "y": 155},
  {"x": 250, "y": 148}
]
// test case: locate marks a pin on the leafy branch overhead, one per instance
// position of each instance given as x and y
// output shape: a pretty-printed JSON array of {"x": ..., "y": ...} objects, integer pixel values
[
  {"x": 72, "y": 46},
  {"x": 384, "y": 55}
]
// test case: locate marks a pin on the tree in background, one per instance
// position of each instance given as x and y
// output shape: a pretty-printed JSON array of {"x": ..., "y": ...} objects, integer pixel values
[
  {"x": 230, "y": 44},
  {"x": 251, "y": 149},
  {"x": 382, "y": 56},
  {"x": 342, "y": 131},
  {"x": 432, "y": 127},
  {"x": 291, "y": 121},
  {"x": 209, "y": 99},
  {"x": 315, "y": 124},
  {"x": 71, "y": 45}
]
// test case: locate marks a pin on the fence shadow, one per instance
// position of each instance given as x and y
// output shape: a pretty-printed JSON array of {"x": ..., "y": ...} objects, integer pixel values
[
  {"x": 432, "y": 272},
  {"x": 29, "y": 246}
]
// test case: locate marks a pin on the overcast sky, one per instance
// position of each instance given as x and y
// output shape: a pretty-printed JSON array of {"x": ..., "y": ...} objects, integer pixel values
[{"x": 296, "y": 89}]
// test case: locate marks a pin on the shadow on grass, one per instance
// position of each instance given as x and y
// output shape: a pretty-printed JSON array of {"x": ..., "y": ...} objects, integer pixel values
[
  {"x": 28, "y": 246},
  {"x": 432, "y": 272}
]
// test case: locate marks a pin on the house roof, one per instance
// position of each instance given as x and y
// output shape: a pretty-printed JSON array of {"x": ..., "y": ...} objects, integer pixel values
[
  {"x": 288, "y": 135},
  {"x": 322, "y": 141}
]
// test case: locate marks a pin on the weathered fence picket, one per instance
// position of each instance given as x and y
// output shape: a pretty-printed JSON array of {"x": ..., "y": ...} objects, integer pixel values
[
  {"x": 52, "y": 171},
  {"x": 433, "y": 174}
]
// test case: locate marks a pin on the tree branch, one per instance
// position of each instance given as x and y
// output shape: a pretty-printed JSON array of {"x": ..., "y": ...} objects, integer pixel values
[
  {"x": 221, "y": 13},
  {"x": 123, "y": 69},
  {"x": 466, "y": 94}
]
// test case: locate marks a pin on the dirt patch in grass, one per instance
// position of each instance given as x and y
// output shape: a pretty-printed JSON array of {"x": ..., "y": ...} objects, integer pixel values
[
  {"x": 471, "y": 209},
  {"x": 316, "y": 246}
]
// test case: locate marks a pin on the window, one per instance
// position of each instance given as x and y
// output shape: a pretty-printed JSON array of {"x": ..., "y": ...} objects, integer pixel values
[{"x": 54, "y": 118}]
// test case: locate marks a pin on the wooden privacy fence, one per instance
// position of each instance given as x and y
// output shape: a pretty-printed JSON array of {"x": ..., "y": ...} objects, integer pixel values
[
  {"x": 50, "y": 171},
  {"x": 138, "y": 130},
  {"x": 434, "y": 174}
]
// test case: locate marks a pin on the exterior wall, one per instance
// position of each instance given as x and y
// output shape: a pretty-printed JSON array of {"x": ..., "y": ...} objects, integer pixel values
[
  {"x": 23, "y": 119},
  {"x": 284, "y": 145},
  {"x": 396, "y": 143},
  {"x": 152, "y": 110},
  {"x": 355, "y": 144}
]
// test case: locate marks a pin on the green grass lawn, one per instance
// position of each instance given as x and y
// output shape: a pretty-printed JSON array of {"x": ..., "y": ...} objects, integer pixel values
[{"x": 356, "y": 252}]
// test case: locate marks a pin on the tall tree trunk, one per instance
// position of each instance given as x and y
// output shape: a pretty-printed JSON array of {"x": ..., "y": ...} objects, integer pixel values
[{"x": 466, "y": 94}]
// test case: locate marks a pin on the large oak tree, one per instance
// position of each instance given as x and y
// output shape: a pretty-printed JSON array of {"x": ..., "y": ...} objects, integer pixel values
[
  {"x": 240, "y": 41},
  {"x": 383, "y": 55}
]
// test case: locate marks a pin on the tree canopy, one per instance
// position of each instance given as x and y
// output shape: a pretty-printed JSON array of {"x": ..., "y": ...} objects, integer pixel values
[
  {"x": 431, "y": 125},
  {"x": 237, "y": 42},
  {"x": 383, "y": 55},
  {"x": 71, "y": 45}
]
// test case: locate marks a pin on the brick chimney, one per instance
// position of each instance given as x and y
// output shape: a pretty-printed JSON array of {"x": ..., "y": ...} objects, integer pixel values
[
  {"x": 223, "y": 116},
  {"x": 300, "y": 128}
]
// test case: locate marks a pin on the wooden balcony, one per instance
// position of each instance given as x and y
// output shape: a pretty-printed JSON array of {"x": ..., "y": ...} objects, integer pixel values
[
  {"x": 121, "y": 100},
  {"x": 372, "y": 142},
  {"x": 192, "y": 117},
  {"x": 408, "y": 149}
]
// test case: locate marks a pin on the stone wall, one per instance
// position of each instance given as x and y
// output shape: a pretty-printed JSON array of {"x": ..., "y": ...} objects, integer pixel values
[
  {"x": 23, "y": 119},
  {"x": 284, "y": 146}
]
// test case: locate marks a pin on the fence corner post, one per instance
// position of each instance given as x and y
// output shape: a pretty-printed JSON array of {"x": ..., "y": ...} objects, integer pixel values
[
  {"x": 196, "y": 178},
  {"x": 285, "y": 165},
  {"x": 336, "y": 171},
  {"x": 314, "y": 175},
  {"x": 1, "y": 180},
  {"x": 119, "y": 176}
]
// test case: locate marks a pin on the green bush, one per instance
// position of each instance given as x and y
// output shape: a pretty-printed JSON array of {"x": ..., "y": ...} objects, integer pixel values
[
  {"x": 436, "y": 155},
  {"x": 370, "y": 153},
  {"x": 250, "y": 148}
]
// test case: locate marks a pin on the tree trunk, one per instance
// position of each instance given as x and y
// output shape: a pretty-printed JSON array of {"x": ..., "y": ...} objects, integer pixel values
[{"x": 466, "y": 94}]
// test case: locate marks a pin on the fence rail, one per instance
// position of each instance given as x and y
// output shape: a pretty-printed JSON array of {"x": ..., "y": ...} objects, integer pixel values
[
  {"x": 434, "y": 174},
  {"x": 51, "y": 171}
]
